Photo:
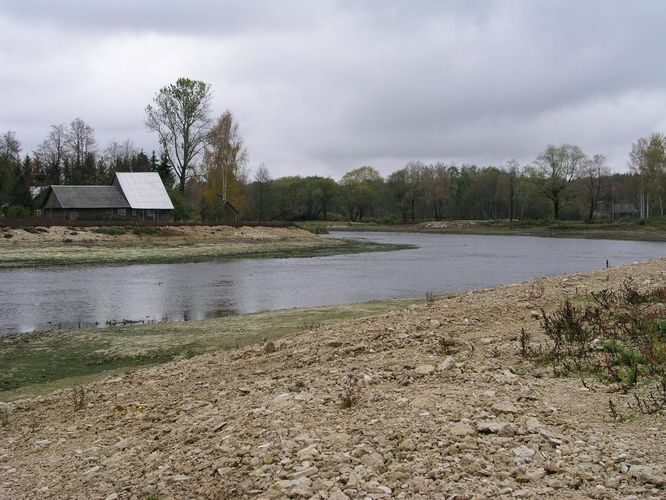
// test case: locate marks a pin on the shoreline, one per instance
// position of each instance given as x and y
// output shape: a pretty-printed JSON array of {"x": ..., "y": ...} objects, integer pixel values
[
  {"x": 440, "y": 403},
  {"x": 628, "y": 232},
  {"x": 61, "y": 246}
]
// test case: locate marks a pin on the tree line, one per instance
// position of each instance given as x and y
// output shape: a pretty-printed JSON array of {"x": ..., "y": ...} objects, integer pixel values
[{"x": 203, "y": 163}]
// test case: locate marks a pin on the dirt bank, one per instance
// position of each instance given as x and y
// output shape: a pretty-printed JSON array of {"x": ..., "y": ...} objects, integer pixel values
[
  {"x": 446, "y": 406},
  {"x": 59, "y": 245}
]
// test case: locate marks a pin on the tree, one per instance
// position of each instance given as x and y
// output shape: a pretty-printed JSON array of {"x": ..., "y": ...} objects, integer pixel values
[
  {"x": 80, "y": 148},
  {"x": 10, "y": 167},
  {"x": 164, "y": 169},
  {"x": 554, "y": 170},
  {"x": 262, "y": 178},
  {"x": 648, "y": 160},
  {"x": 513, "y": 168},
  {"x": 50, "y": 155},
  {"x": 225, "y": 158},
  {"x": 180, "y": 116},
  {"x": 592, "y": 174},
  {"x": 360, "y": 189}
]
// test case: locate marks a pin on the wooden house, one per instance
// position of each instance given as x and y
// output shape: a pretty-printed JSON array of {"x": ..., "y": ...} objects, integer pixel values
[{"x": 133, "y": 196}]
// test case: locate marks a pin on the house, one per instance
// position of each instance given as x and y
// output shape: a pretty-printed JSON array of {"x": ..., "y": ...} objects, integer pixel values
[{"x": 133, "y": 196}]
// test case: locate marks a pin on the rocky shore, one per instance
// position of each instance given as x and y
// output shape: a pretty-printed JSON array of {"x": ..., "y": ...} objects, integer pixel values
[{"x": 431, "y": 401}]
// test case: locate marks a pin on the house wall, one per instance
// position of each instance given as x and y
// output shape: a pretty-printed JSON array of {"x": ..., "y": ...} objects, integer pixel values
[{"x": 108, "y": 214}]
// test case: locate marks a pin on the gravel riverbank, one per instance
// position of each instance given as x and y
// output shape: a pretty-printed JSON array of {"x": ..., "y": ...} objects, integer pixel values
[{"x": 441, "y": 405}]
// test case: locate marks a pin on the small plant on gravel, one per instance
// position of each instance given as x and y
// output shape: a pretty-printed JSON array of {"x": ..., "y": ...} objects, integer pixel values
[
  {"x": 620, "y": 336},
  {"x": 111, "y": 231},
  {"x": 430, "y": 297},
  {"x": 524, "y": 339},
  {"x": 4, "y": 414},
  {"x": 78, "y": 398},
  {"x": 654, "y": 401},
  {"x": 537, "y": 290},
  {"x": 351, "y": 391}
]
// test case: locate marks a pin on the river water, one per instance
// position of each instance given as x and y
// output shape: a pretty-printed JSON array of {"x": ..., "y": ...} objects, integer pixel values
[{"x": 75, "y": 297}]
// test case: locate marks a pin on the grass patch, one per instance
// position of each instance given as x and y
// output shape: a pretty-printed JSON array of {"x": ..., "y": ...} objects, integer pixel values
[
  {"x": 110, "y": 230},
  {"x": 35, "y": 363}
]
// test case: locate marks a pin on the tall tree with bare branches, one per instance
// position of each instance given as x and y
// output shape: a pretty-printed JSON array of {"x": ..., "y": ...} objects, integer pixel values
[{"x": 180, "y": 116}]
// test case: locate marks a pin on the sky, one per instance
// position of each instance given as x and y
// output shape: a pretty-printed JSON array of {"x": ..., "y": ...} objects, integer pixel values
[{"x": 322, "y": 87}]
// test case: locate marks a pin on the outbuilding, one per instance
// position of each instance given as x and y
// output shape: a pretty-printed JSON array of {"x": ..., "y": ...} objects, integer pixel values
[{"x": 133, "y": 196}]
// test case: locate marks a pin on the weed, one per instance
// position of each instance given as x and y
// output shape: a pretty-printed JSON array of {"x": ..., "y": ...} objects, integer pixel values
[
  {"x": 615, "y": 414},
  {"x": 111, "y": 231},
  {"x": 525, "y": 339},
  {"x": 351, "y": 391},
  {"x": 78, "y": 398},
  {"x": 7, "y": 235},
  {"x": 4, "y": 414},
  {"x": 430, "y": 297},
  {"x": 312, "y": 325},
  {"x": 627, "y": 324},
  {"x": 537, "y": 290},
  {"x": 654, "y": 401}
]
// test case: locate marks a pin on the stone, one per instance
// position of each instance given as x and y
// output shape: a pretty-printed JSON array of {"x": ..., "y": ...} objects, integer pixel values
[
  {"x": 462, "y": 429},
  {"x": 407, "y": 445},
  {"x": 294, "y": 487},
  {"x": 307, "y": 472},
  {"x": 523, "y": 452},
  {"x": 308, "y": 453},
  {"x": 446, "y": 365},
  {"x": 492, "y": 427},
  {"x": 374, "y": 461},
  {"x": 504, "y": 407},
  {"x": 533, "y": 425},
  {"x": 646, "y": 474},
  {"x": 424, "y": 369}
]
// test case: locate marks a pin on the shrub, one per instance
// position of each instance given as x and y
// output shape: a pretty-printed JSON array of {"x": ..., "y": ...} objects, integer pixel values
[
  {"x": 620, "y": 336},
  {"x": 111, "y": 231}
]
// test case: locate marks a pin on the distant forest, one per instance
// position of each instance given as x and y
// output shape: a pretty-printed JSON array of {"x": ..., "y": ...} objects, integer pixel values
[{"x": 206, "y": 174}]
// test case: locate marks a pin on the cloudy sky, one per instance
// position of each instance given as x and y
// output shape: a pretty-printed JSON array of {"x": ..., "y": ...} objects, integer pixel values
[{"x": 321, "y": 87}]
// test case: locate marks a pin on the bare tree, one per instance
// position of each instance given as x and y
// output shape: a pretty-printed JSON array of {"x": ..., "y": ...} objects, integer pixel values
[
  {"x": 592, "y": 174},
  {"x": 80, "y": 147},
  {"x": 180, "y": 116},
  {"x": 50, "y": 154},
  {"x": 513, "y": 168},
  {"x": 261, "y": 178},
  {"x": 554, "y": 170}
]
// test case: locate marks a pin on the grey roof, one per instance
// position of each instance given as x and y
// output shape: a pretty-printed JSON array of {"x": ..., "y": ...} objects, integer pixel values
[
  {"x": 144, "y": 190},
  {"x": 90, "y": 197}
]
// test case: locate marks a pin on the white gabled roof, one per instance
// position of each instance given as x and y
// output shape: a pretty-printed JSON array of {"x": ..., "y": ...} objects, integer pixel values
[{"x": 144, "y": 190}]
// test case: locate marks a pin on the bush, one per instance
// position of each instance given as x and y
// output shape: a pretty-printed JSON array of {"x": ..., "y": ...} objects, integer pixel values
[
  {"x": 111, "y": 231},
  {"x": 620, "y": 336},
  {"x": 19, "y": 212}
]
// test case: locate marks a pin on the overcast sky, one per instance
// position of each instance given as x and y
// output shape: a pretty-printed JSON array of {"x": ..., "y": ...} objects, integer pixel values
[{"x": 321, "y": 87}]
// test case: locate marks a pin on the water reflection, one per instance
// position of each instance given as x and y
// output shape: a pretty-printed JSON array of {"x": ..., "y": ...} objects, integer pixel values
[{"x": 92, "y": 296}]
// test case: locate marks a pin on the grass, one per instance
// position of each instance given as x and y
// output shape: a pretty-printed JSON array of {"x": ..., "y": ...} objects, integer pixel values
[
  {"x": 652, "y": 231},
  {"x": 37, "y": 363},
  {"x": 169, "y": 253}
]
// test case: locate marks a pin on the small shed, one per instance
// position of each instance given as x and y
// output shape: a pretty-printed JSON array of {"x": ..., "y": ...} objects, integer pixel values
[{"x": 139, "y": 196}]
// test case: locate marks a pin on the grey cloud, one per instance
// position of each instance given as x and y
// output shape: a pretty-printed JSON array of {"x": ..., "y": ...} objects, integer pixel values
[{"x": 331, "y": 85}]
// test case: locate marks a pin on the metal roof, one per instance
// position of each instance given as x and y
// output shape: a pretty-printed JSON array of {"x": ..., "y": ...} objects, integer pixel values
[
  {"x": 90, "y": 197},
  {"x": 144, "y": 190}
]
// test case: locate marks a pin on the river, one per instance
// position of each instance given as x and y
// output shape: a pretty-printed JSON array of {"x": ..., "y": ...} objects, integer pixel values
[{"x": 77, "y": 297}]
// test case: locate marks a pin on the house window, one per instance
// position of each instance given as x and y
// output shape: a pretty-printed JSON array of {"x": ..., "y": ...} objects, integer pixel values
[
  {"x": 150, "y": 213},
  {"x": 122, "y": 211},
  {"x": 134, "y": 212}
]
